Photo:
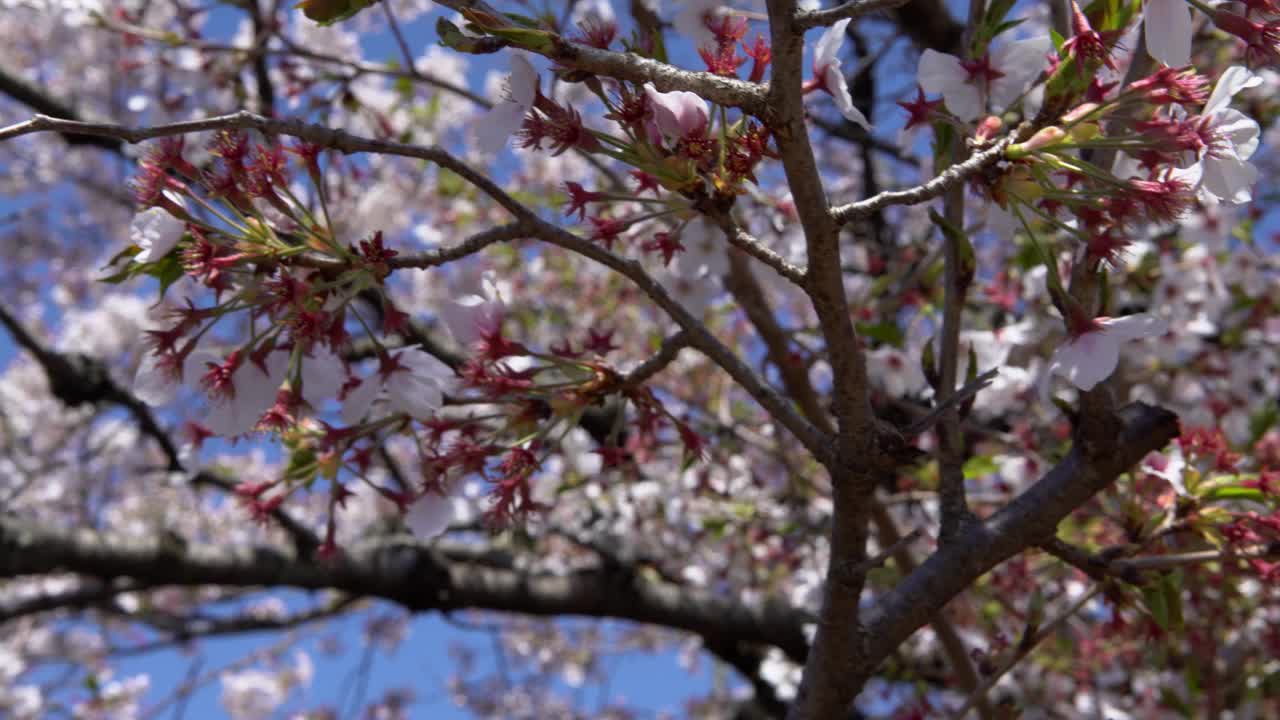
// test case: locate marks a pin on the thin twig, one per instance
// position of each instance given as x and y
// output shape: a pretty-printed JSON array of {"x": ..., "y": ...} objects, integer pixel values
[
  {"x": 971, "y": 388},
  {"x": 924, "y": 192},
  {"x": 1024, "y": 649},
  {"x": 666, "y": 355}
]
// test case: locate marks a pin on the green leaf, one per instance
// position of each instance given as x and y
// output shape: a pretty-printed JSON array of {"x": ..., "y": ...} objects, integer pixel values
[
  {"x": 886, "y": 332},
  {"x": 167, "y": 270},
  {"x": 328, "y": 12},
  {"x": 1171, "y": 587},
  {"x": 929, "y": 366},
  {"x": 130, "y": 271},
  {"x": 1232, "y": 492},
  {"x": 1263, "y": 420},
  {"x": 131, "y": 251},
  {"x": 1153, "y": 598},
  {"x": 1058, "y": 40},
  {"x": 302, "y": 465},
  {"x": 980, "y": 466}
]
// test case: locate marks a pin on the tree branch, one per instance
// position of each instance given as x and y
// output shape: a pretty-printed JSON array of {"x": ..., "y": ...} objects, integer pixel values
[
  {"x": 840, "y": 641},
  {"x": 924, "y": 192},
  {"x": 729, "y": 92},
  {"x": 851, "y": 9},
  {"x": 409, "y": 574},
  {"x": 1028, "y": 520},
  {"x": 33, "y": 98}
]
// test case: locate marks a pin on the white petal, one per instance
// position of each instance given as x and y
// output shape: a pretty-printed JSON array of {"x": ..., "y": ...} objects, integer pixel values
[
  {"x": 156, "y": 232},
  {"x": 1168, "y": 31},
  {"x": 153, "y": 385},
  {"x": 1232, "y": 81},
  {"x": 424, "y": 364},
  {"x": 1134, "y": 327},
  {"x": 323, "y": 376},
  {"x": 430, "y": 515},
  {"x": 844, "y": 101},
  {"x": 469, "y": 317},
  {"x": 690, "y": 21},
  {"x": 1021, "y": 62},
  {"x": 524, "y": 81},
  {"x": 827, "y": 50},
  {"x": 1087, "y": 360},
  {"x": 1240, "y": 129},
  {"x": 498, "y": 125},
  {"x": 942, "y": 73},
  {"x": 939, "y": 71},
  {"x": 415, "y": 396},
  {"x": 359, "y": 400},
  {"x": 1229, "y": 178}
]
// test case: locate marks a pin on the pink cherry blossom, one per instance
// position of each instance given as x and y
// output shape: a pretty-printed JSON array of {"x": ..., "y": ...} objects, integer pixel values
[{"x": 677, "y": 114}]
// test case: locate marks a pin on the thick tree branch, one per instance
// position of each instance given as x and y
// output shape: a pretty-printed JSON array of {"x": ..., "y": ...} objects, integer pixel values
[
  {"x": 824, "y": 279},
  {"x": 840, "y": 641},
  {"x": 411, "y": 575},
  {"x": 1029, "y": 520},
  {"x": 953, "y": 506},
  {"x": 37, "y": 100}
]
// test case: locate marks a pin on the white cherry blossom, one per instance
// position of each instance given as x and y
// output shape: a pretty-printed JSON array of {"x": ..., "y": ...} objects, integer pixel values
[
  {"x": 156, "y": 232},
  {"x": 829, "y": 75},
  {"x": 1223, "y": 172},
  {"x": 1167, "y": 28},
  {"x": 411, "y": 381},
  {"x": 500, "y": 124},
  {"x": 965, "y": 85},
  {"x": 254, "y": 393},
  {"x": 691, "y": 21},
  {"x": 1092, "y": 356}
]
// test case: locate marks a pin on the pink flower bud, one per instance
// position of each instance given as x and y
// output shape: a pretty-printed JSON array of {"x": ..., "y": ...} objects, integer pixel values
[{"x": 678, "y": 114}]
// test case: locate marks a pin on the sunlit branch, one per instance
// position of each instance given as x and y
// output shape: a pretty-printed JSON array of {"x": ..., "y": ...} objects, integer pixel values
[{"x": 924, "y": 192}]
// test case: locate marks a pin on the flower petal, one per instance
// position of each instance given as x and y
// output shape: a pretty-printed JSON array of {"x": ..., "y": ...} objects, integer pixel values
[
  {"x": 839, "y": 90},
  {"x": 498, "y": 126},
  {"x": 1021, "y": 62},
  {"x": 358, "y": 401},
  {"x": 942, "y": 73},
  {"x": 1134, "y": 327},
  {"x": 827, "y": 50},
  {"x": 1087, "y": 360},
  {"x": 523, "y": 82},
  {"x": 430, "y": 515},
  {"x": 1167, "y": 25},
  {"x": 1232, "y": 81}
]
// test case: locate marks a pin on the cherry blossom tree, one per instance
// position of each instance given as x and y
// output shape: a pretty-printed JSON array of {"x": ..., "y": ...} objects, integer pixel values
[{"x": 902, "y": 359}]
